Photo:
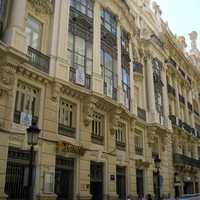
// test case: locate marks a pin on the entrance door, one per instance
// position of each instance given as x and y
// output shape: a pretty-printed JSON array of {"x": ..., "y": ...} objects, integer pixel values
[
  {"x": 16, "y": 186},
  {"x": 188, "y": 188},
  {"x": 64, "y": 178},
  {"x": 140, "y": 182},
  {"x": 121, "y": 182},
  {"x": 96, "y": 180}
]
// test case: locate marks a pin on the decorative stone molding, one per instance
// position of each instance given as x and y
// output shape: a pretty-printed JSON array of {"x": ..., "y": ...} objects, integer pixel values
[
  {"x": 55, "y": 91},
  {"x": 115, "y": 117},
  {"x": 88, "y": 108},
  {"x": 42, "y": 6},
  {"x": 151, "y": 135},
  {"x": 47, "y": 196},
  {"x": 141, "y": 163}
]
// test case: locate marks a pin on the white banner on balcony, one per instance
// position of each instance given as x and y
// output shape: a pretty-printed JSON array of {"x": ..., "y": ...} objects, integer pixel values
[
  {"x": 80, "y": 75},
  {"x": 25, "y": 119},
  {"x": 109, "y": 90}
]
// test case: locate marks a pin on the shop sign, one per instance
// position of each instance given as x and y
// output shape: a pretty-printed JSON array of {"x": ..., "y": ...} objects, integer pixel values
[{"x": 63, "y": 147}]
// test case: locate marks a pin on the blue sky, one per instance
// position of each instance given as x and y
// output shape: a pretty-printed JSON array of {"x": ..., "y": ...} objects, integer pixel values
[{"x": 183, "y": 16}]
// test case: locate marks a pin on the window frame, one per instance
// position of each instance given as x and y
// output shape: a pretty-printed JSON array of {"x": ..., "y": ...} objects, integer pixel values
[
  {"x": 63, "y": 129},
  {"x": 120, "y": 136},
  {"x": 139, "y": 148}
]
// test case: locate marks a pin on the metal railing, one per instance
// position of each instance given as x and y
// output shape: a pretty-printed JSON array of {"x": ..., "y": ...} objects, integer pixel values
[
  {"x": 66, "y": 130},
  {"x": 38, "y": 59},
  {"x": 170, "y": 61},
  {"x": 181, "y": 99},
  {"x": 190, "y": 106},
  {"x": 139, "y": 150},
  {"x": 185, "y": 160}
]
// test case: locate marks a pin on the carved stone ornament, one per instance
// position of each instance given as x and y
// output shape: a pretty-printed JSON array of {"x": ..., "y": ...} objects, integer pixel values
[
  {"x": 55, "y": 91},
  {"x": 88, "y": 109},
  {"x": 151, "y": 136},
  {"x": 115, "y": 117},
  {"x": 7, "y": 78},
  {"x": 42, "y": 6}
]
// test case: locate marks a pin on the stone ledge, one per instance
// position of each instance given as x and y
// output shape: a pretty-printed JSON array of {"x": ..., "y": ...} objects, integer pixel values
[{"x": 47, "y": 196}]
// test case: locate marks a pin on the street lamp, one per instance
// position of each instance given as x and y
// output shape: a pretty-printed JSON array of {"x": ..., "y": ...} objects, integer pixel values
[
  {"x": 157, "y": 165},
  {"x": 32, "y": 136}
]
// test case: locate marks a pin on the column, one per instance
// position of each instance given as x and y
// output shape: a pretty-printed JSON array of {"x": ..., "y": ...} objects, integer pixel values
[
  {"x": 150, "y": 90},
  {"x": 165, "y": 98},
  {"x": 120, "y": 94},
  {"x": 15, "y": 34},
  {"x": 132, "y": 107},
  {"x": 97, "y": 80},
  {"x": 59, "y": 66}
]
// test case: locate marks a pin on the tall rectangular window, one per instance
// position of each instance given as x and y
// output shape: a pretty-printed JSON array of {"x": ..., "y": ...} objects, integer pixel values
[
  {"x": 26, "y": 104},
  {"x": 67, "y": 118},
  {"x": 110, "y": 80},
  {"x": 80, "y": 42},
  {"x": 125, "y": 59},
  {"x": 121, "y": 136},
  {"x": 34, "y": 33},
  {"x": 98, "y": 128},
  {"x": 139, "y": 147}
]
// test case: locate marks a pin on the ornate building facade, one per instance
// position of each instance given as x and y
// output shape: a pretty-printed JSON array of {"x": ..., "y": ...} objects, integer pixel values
[{"x": 110, "y": 87}]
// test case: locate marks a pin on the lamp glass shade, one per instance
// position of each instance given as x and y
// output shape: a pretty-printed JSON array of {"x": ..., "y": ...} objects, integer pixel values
[{"x": 33, "y": 135}]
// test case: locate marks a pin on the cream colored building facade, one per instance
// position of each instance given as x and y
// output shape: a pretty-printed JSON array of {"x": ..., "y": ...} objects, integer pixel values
[{"x": 110, "y": 87}]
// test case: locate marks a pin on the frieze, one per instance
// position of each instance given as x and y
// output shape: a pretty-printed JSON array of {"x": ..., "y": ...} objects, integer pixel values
[{"x": 42, "y": 6}]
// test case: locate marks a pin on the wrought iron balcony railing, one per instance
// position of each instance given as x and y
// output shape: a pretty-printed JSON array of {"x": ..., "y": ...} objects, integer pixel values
[
  {"x": 138, "y": 67},
  {"x": 173, "y": 119},
  {"x": 180, "y": 159},
  {"x": 141, "y": 113},
  {"x": 38, "y": 59},
  {"x": 196, "y": 113},
  {"x": 97, "y": 139},
  {"x": 66, "y": 130},
  {"x": 171, "y": 90},
  {"x": 157, "y": 40}
]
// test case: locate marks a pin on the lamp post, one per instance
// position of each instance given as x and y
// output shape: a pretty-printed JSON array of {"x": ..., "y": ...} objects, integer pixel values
[
  {"x": 157, "y": 165},
  {"x": 32, "y": 136}
]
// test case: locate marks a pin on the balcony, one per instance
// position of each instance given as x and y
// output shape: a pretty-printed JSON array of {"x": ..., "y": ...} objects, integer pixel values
[
  {"x": 187, "y": 127},
  {"x": 171, "y": 90},
  {"x": 171, "y": 62},
  {"x": 196, "y": 113},
  {"x": 121, "y": 145},
  {"x": 97, "y": 139},
  {"x": 181, "y": 99},
  {"x": 38, "y": 60},
  {"x": 182, "y": 72},
  {"x": 84, "y": 81},
  {"x": 180, "y": 159},
  {"x": 190, "y": 106},
  {"x": 157, "y": 41},
  {"x": 66, "y": 130},
  {"x": 141, "y": 113},
  {"x": 138, "y": 67}
]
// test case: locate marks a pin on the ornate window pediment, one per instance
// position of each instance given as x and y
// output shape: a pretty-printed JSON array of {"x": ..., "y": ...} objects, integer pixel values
[{"x": 42, "y": 6}]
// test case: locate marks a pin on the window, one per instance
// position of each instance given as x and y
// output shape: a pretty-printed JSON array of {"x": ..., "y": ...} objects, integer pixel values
[
  {"x": 121, "y": 136},
  {"x": 67, "y": 118},
  {"x": 139, "y": 143},
  {"x": 97, "y": 128},
  {"x": 124, "y": 41},
  {"x": 109, "y": 21},
  {"x": 110, "y": 82},
  {"x": 80, "y": 48},
  {"x": 84, "y": 6},
  {"x": 125, "y": 86},
  {"x": 34, "y": 33},
  {"x": 26, "y": 104}
]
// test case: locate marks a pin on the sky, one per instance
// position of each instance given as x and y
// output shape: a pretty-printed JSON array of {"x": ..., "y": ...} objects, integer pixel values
[{"x": 183, "y": 17}]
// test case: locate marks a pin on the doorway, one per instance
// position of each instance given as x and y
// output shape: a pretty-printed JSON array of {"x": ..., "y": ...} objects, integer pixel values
[
  {"x": 121, "y": 182},
  {"x": 96, "y": 180}
]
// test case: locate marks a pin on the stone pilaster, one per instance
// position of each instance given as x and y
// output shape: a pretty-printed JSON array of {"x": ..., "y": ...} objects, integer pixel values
[
  {"x": 97, "y": 81},
  {"x": 165, "y": 98},
  {"x": 153, "y": 116},
  {"x": 15, "y": 34},
  {"x": 58, "y": 63}
]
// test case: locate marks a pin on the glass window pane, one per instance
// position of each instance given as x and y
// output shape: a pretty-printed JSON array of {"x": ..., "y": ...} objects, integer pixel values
[{"x": 79, "y": 45}]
